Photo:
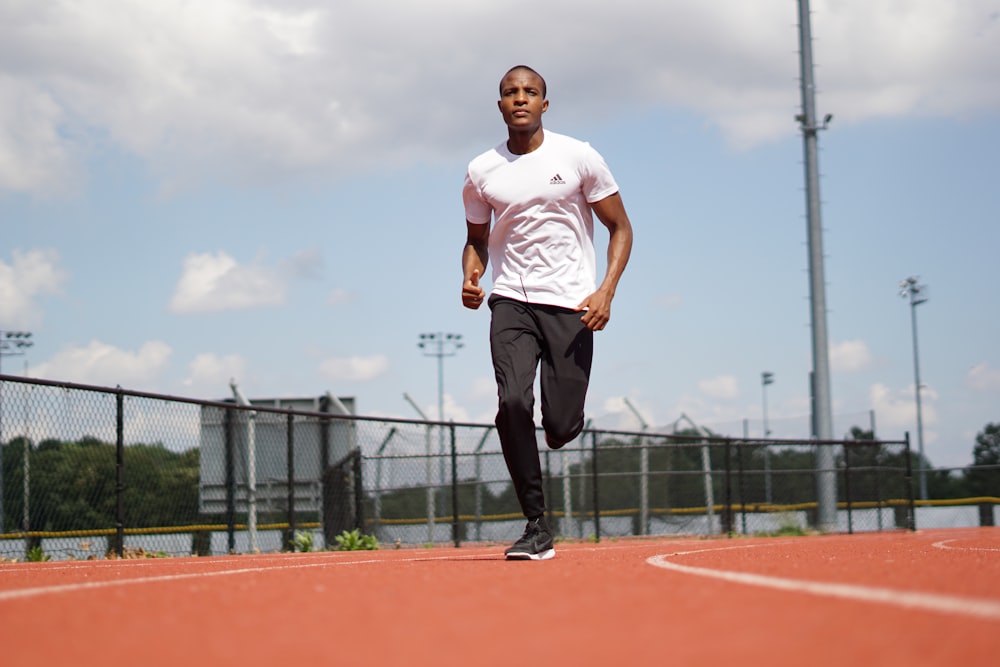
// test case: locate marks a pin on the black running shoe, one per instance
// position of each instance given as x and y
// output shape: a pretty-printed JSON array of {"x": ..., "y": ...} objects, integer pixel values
[{"x": 535, "y": 544}]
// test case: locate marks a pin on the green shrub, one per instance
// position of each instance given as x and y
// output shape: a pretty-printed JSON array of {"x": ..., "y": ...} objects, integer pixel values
[
  {"x": 302, "y": 541},
  {"x": 37, "y": 555},
  {"x": 354, "y": 540}
]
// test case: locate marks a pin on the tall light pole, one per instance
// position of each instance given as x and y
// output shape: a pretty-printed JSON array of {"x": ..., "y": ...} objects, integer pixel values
[
  {"x": 826, "y": 479},
  {"x": 440, "y": 345},
  {"x": 917, "y": 294},
  {"x": 12, "y": 343},
  {"x": 766, "y": 378}
]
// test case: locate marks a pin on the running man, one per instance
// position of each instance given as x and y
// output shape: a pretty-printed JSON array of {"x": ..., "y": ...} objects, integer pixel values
[{"x": 540, "y": 191}]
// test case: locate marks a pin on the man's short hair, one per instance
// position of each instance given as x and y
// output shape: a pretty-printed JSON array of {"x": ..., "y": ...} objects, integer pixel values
[{"x": 527, "y": 69}]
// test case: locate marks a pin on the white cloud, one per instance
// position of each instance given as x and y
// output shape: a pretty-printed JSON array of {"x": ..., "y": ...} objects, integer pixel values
[
  {"x": 920, "y": 57},
  {"x": 33, "y": 156},
  {"x": 355, "y": 369},
  {"x": 102, "y": 364},
  {"x": 453, "y": 410},
  {"x": 897, "y": 411},
  {"x": 212, "y": 373},
  {"x": 983, "y": 377},
  {"x": 250, "y": 89},
  {"x": 850, "y": 356},
  {"x": 30, "y": 275},
  {"x": 723, "y": 387},
  {"x": 214, "y": 282}
]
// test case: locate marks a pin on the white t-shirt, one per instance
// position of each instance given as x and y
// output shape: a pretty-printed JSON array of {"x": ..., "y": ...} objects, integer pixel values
[{"x": 542, "y": 242}]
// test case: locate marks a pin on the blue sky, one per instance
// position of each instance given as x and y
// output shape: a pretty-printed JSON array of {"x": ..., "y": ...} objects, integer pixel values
[{"x": 271, "y": 192}]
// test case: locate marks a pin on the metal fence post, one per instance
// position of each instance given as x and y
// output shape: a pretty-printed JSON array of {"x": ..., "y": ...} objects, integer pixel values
[
  {"x": 567, "y": 494},
  {"x": 706, "y": 468},
  {"x": 644, "y": 486},
  {"x": 120, "y": 474},
  {"x": 290, "y": 440},
  {"x": 479, "y": 485},
  {"x": 878, "y": 483},
  {"x": 597, "y": 497},
  {"x": 847, "y": 488},
  {"x": 377, "y": 490},
  {"x": 2, "y": 530},
  {"x": 741, "y": 479},
  {"x": 324, "y": 435},
  {"x": 728, "y": 512},
  {"x": 547, "y": 480},
  {"x": 912, "y": 519},
  {"x": 456, "y": 538},
  {"x": 230, "y": 482},
  {"x": 431, "y": 500},
  {"x": 359, "y": 492}
]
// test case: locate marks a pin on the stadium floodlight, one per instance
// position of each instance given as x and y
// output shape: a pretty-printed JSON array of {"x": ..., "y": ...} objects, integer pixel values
[
  {"x": 13, "y": 343},
  {"x": 440, "y": 345},
  {"x": 917, "y": 294}
]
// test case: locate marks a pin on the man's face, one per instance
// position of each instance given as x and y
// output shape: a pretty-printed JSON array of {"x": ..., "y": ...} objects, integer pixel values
[{"x": 522, "y": 101}]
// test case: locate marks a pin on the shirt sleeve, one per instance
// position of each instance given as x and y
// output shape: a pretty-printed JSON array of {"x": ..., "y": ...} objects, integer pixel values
[
  {"x": 477, "y": 209},
  {"x": 598, "y": 182}
]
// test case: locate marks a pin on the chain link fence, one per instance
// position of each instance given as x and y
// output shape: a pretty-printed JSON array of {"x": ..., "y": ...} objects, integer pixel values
[{"x": 89, "y": 472}]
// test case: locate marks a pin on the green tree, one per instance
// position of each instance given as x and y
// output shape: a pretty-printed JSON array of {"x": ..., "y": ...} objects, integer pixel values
[
  {"x": 73, "y": 485},
  {"x": 862, "y": 459},
  {"x": 877, "y": 472},
  {"x": 984, "y": 474}
]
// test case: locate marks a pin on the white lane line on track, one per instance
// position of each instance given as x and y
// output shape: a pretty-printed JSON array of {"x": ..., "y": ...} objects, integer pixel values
[
  {"x": 946, "y": 604},
  {"x": 23, "y": 593},
  {"x": 124, "y": 564},
  {"x": 944, "y": 544}
]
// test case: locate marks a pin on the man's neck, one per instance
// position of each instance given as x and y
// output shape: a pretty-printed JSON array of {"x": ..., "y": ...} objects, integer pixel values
[{"x": 520, "y": 143}]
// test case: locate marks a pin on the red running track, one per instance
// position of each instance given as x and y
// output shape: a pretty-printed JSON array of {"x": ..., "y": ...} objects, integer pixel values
[{"x": 924, "y": 598}]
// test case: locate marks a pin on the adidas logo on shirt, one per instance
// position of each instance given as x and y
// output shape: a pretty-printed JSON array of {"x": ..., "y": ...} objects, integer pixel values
[{"x": 557, "y": 180}]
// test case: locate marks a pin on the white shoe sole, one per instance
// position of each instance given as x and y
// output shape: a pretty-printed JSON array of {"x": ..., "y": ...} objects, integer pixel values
[{"x": 543, "y": 555}]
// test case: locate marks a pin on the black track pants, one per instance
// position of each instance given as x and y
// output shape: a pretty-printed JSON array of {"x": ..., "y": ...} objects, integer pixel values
[{"x": 521, "y": 336}]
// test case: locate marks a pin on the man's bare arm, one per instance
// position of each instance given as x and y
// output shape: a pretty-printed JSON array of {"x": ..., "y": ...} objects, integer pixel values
[
  {"x": 475, "y": 257},
  {"x": 611, "y": 212}
]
